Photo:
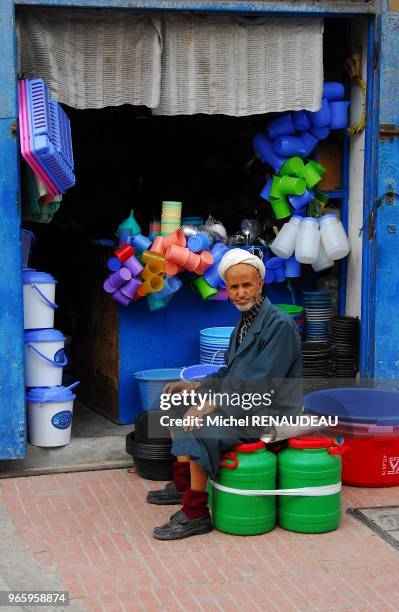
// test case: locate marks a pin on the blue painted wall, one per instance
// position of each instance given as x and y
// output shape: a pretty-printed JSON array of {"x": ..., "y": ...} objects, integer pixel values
[
  {"x": 12, "y": 406},
  {"x": 386, "y": 331}
]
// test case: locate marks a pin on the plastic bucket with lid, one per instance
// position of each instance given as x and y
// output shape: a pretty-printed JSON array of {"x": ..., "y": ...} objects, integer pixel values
[
  {"x": 44, "y": 357},
  {"x": 39, "y": 295},
  {"x": 49, "y": 413},
  {"x": 369, "y": 420},
  {"x": 151, "y": 383}
]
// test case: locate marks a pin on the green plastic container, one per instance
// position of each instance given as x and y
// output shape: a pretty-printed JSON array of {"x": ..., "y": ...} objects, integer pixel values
[
  {"x": 309, "y": 462},
  {"x": 275, "y": 188},
  {"x": 247, "y": 466},
  {"x": 311, "y": 175},
  {"x": 292, "y": 167}
]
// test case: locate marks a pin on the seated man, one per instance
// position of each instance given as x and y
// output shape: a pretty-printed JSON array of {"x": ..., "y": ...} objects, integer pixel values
[{"x": 264, "y": 354}]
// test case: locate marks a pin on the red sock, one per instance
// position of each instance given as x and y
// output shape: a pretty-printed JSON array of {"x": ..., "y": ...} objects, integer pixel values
[
  {"x": 195, "y": 503},
  {"x": 181, "y": 475}
]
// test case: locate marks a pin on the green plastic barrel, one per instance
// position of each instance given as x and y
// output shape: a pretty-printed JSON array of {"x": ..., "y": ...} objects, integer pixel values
[
  {"x": 309, "y": 462},
  {"x": 247, "y": 466}
]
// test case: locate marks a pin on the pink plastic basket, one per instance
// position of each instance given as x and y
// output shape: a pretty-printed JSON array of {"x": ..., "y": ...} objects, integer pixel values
[{"x": 26, "y": 151}]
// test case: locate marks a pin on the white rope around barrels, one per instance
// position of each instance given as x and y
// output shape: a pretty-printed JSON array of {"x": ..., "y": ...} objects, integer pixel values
[{"x": 305, "y": 491}]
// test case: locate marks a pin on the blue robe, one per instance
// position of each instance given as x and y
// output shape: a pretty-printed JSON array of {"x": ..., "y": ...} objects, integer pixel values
[{"x": 268, "y": 360}]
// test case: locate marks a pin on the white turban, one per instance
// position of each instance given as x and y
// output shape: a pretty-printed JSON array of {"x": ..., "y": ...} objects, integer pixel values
[{"x": 240, "y": 256}]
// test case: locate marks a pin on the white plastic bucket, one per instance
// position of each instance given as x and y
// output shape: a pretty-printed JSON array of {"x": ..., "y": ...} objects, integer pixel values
[
  {"x": 39, "y": 296},
  {"x": 49, "y": 414},
  {"x": 44, "y": 357}
]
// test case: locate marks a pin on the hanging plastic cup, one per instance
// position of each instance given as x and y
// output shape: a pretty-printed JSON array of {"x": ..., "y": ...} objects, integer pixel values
[
  {"x": 339, "y": 115},
  {"x": 177, "y": 237},
  {"x": 292, "y": 167},
  {"x": 275, "y": 192},
  {"x": 141, "y": 243},
  {"x": 177, "y": 255},
  {"x": 171, "y": 269},
  {"x": 318, "y": 167},
  {"x": 108, "y": 286},
  {"x": 285, "y": 146},
  {"x": 309, "y": 143},
  {"x": 221, "y": 296},
  {"x": 321, "y": 117},
  {"x": 276, "y": 264},
  {"x": 269, "y": 277},
  {"x": 125, "y": 252},
  {"x": 321, "y": 133},
  {"x": 155, "y": 304},
  {"x": 299, "y": 202},
  {"x": 199, "y": 242},
  {"x": 281, "y": 208},
  {"x": 264, "y": 148},
  {"x": 171, "y": 285},
  {"x": 206, "y": 260},
  {"x": 158, "y": 246},
  {"x": 193, "y": 261},
  {"x": 204, "y": 289},
  {"x": 292, "y": 185},
  {"x": 333, "y": 91},
  {"x": 119, "y": 278},
  {"x": 218, "y": 250},
  {"x": 292, "y": 268},
  {"x": 265, "y": 193},
  {"x": 151, "y": 284},
  {"x": 212, "y": 276},
  {"x": 153, "y": 261},
  {"x": 302, "y": 212},
  {"x": 133, "y": 265},
  {"x": 113, "y": 264},
  {"x": 301, "y": 120},
  {"x": 120, "y": 298},
  {"x": 311, "y": 176},
  {"x": 129, "y": 290},
  {"x": 280, "y": 126}
]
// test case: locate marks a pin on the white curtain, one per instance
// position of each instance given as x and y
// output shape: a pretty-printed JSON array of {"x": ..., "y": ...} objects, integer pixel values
[{"x": 175, "y": 64}]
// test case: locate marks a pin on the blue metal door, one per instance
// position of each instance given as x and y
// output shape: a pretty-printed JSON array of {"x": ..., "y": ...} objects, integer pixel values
[{"x": 385, "y": 216}]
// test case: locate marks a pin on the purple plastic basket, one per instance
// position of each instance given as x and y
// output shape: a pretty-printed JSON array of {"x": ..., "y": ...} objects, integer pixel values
[
  {"x": 61, "y": 132},
  {"x": 46, "y": 135}
]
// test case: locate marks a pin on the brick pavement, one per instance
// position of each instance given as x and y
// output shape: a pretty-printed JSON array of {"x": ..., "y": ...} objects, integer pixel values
[{"x": 94, "y": 529}]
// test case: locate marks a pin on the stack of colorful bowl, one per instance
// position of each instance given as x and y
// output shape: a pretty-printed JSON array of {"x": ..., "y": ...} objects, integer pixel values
[
  {"x": 318, "y": 313},
  {"x": 171, "y": 217},
  {"x": 296, "y": 313},
  {"x": 214, "y": 341}
]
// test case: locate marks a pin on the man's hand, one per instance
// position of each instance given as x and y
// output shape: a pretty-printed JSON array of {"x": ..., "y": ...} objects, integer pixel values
[
  {"x": 177, "y": 386},
  {"x": 195, "y": 411}
]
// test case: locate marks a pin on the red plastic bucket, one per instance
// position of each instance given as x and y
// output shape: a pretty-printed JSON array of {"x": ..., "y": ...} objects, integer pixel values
[{"x": 371, "y": 462}]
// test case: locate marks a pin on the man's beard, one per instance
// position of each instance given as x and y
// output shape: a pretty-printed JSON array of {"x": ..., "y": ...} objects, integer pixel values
[{"x": 246, "y": 307}]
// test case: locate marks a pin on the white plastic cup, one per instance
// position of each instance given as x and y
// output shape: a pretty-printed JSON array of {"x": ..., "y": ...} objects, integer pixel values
[
  {"x": 308, "y": 241},
  {"x": 284, "y": 243},
  {"x": 333, "y": 237}
]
